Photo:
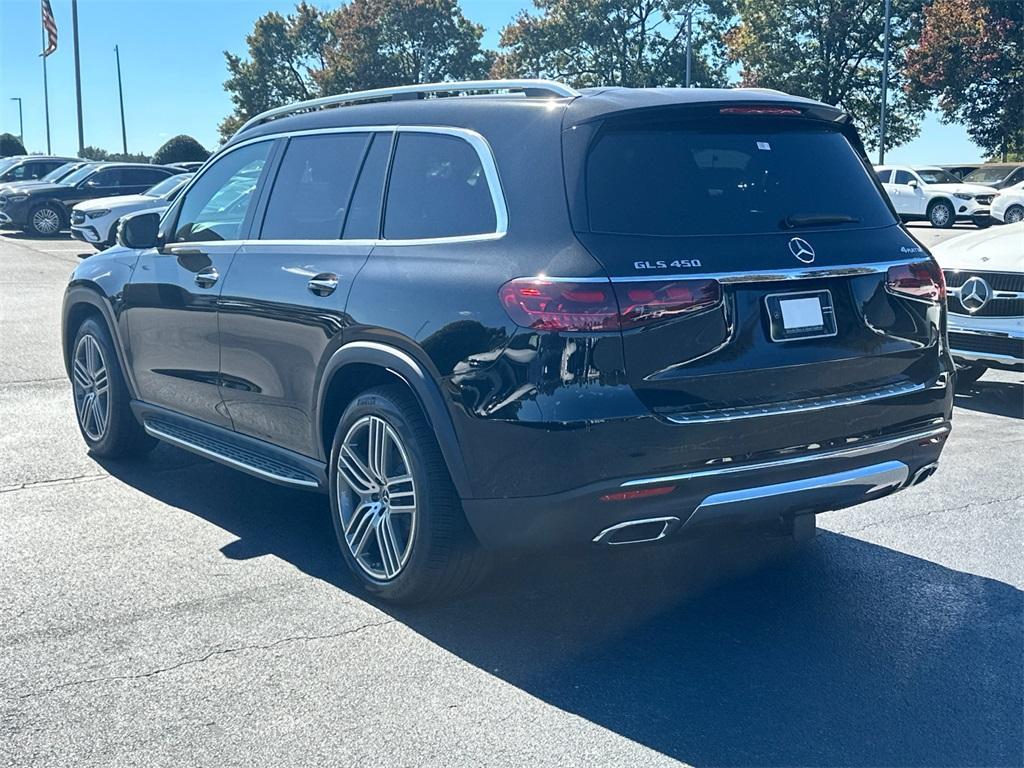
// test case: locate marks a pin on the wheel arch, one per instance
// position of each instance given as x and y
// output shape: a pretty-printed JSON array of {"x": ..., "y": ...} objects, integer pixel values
[
  {"x": 359, "y": 365},
  {"x": 61, "y": 207},
  {"x": 80, "y": 303}
]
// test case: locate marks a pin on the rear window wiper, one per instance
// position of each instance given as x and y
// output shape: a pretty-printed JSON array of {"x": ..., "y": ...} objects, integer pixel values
[{"x": 818, "y": 220}]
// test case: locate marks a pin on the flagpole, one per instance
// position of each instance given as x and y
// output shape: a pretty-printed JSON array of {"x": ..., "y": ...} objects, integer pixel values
[
  {"x": 78, "y": 77},
  {"x": 46, "y": 95}
]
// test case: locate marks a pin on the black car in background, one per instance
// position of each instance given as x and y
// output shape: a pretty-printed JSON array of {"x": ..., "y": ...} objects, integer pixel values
[
  {"x": 45, "y": 209},
  {"x": 29, "y": 167},
  {"x": 543, "y": 319},
  {"x": 55, "y": 176}
]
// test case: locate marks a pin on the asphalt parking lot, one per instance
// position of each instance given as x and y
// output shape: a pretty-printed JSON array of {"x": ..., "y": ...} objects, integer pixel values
[{"x": 174, "y": 612}]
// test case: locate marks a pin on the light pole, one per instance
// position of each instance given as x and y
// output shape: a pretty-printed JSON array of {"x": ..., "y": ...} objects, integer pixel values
[
  {"x": 120, "y": 96},
  {"x": 689, "y": 44},
  {"x": 885, "y": 85},
  {"x": 21, "y": 125}
]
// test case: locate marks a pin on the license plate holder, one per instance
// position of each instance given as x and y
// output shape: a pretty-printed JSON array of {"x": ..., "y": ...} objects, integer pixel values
[{"x": 800, "y": 315}]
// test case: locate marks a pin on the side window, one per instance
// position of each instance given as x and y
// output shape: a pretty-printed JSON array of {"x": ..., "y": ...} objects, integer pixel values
[
  {"x": 142, "y": 177},
  {"x": 437, "y": 189},
  {"x": 1016, "y": 177},
  {"x": 363, "y": 222},
  {"x": 216, "y": 205},
  {"x": 884, "y": 176},
  {"x": 902, "y": 177},
  {"x": 107, "y": 177},
  {"x": 313, "y": 186},
  {"x": 17, "y": 173}
]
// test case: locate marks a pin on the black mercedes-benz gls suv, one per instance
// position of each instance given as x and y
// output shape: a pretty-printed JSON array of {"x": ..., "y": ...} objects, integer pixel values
[{"x": 510, "y": 314}]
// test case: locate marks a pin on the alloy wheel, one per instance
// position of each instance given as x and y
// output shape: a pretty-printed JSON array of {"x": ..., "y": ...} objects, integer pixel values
[
  {"x": 91, "y": 388},
  {"x": 940, "y": 215},
  {"x": 1015, "y": 214},
  {"x": 376, "y": 498},
  {"x": 46, "y": 221}
]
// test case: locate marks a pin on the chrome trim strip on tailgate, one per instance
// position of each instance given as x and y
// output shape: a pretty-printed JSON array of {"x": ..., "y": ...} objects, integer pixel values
[
  {"x": 860, "y": 449},
  {"x": 798, "y": 406}
]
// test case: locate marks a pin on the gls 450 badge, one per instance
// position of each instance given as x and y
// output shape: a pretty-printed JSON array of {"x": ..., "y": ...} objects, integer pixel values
[{"x": 677, "y": 264}]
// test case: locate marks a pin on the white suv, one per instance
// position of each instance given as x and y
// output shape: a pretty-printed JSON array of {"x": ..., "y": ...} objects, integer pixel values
[
  {"x": 985, "y": 287},
  {"x": 926, "y": 192},
  {"x": 95, "y": 221}
]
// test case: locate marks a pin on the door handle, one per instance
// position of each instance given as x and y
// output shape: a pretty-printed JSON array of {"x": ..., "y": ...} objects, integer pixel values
[
  {"x": 323, "y": 284},
  {"x": 207, "y": 277}
]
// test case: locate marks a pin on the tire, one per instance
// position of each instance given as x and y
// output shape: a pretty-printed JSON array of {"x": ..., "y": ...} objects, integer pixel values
[
  {"x": 1014, "y": 214},
  {"x": 108, "y": 425},
  {"x": 968, "y": 375},
  {"x": 45, "y": 220},
  {"x": 430, "y": 552},
  {"x": 941, "y": 214}
]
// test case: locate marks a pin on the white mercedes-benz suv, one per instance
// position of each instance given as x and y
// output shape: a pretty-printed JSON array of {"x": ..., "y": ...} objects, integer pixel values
[
  {"x": 95, "y": 221},
  {"x": 985, "y": 288},
  {"x": 929, "y": 193}
]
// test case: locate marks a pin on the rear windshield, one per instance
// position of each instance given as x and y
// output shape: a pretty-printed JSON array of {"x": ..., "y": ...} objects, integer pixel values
[{"x": 729, "y": 178}]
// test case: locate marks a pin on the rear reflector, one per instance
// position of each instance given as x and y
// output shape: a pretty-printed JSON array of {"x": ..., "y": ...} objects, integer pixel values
[
  {"x": 759, "y": 111},
  {"x": 920, "y": 280},
  {"x": 558, "y": 305},
  {"x": 640, "y": 493}
]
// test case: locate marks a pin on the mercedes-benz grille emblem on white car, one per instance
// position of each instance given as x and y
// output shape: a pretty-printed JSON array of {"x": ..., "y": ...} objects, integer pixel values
[
  {"x": 975, "y": 294},
  {"x": 801, "y": 249}
]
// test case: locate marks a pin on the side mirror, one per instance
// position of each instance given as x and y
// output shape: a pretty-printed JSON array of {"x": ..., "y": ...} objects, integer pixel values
[
  {"x": 912, "y": 183},
  {"x": 139, "y": 230}
]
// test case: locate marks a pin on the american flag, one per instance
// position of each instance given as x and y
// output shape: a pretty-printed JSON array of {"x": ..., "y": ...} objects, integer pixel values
[{"x": 50, "y": 27}]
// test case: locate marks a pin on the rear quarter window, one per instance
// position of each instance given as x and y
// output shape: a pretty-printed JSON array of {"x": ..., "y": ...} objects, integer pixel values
[
  {"x": 437, "y": 188},
  {"x": 725, "y": 177}
]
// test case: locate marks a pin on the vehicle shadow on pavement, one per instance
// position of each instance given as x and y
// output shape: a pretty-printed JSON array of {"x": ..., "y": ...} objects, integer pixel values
[
  {"x": 714, "y": 653},
  {"x": 1000, "y": 398}
]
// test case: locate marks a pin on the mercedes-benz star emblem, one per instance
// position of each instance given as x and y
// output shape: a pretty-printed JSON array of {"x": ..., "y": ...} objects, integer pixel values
[
  {"x": 975, "y": 294},
  {"x": 801, "y": 249}
]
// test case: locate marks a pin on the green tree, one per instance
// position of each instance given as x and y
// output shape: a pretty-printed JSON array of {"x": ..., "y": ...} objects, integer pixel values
[
  {"x": 285, "y": 63},
  {"x": 364, "y": 44},
  {"x": 831, "y": 50},
  {"x": 94, "y": 153},
  {"x": 634, "y": 43},
  {"x": 11, "y": 145},
  {"x": 378, "y": 43},
  {"x": 180, "y": 149},
  {"x": 971, "y": 59}
]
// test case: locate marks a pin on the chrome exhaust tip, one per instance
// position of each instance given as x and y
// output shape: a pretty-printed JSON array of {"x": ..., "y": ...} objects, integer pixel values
[
  {"x": 923, "y": 474},
  {"x": 637, "y": 531}
]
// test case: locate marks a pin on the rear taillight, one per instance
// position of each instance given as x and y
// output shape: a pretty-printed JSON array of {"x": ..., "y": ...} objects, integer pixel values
[
  {"x": 559, "y": 305},
  {"x": 920, "y": 280},
  {"x": 651, "y": 301},
  {"x": 556, "y": 305}
]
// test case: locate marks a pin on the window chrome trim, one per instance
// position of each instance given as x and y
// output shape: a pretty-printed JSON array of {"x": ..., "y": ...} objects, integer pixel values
[
  {"x": 471, "y": 137},
  {"x": 860, "y": 449}
]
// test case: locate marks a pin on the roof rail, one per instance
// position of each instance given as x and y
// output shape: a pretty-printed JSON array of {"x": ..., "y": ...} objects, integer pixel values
[{"x": 529, "y": 88}]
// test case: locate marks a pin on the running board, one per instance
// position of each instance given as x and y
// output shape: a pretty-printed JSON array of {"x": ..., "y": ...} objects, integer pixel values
[{"x": 237, "y": 452}]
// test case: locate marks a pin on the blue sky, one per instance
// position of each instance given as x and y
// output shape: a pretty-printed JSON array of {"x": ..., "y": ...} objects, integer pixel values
[{"x": 173, "y": 71}]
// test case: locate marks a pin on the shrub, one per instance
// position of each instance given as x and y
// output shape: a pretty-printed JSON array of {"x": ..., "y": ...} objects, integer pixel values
[{"x": 180, "y": 149}]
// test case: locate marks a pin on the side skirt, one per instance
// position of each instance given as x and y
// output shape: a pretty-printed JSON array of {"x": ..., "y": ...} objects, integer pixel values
[{"x": 255, "y": 457}]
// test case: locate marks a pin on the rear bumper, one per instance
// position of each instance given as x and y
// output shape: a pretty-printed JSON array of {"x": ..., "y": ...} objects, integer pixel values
[{"x": 804, "y": 483}]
